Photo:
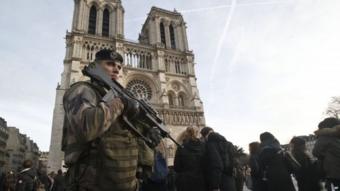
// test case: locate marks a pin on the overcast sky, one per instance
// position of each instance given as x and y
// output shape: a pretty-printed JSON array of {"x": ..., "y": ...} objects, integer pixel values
[{"x": 262, "y": 65}]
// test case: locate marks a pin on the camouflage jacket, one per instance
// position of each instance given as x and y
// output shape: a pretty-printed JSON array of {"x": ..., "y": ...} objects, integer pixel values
[{"x": 96, "y": 141}]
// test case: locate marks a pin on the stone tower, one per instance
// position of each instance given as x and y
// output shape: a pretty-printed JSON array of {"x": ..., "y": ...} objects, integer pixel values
[{"x": 158, "y": 68}]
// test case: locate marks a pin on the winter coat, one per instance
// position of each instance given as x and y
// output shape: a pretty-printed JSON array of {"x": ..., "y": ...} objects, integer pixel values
[
  {"x": 306, "y": 176},
  {"x": 256, "y": 173},
  {"x": 188, "y": 166},
  {"x": 274, "y": 168},
  {"x": 26, "y": 180},
  {"x": 59, "y": 183},
  {"x": 334, "y": 131},
  {"x": 219, "y": 163},
  {"x": 327, "y": 150}
]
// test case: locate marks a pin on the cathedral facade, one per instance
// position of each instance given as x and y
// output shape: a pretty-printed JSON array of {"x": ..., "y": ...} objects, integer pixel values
[{"x": 159, "y": 67}]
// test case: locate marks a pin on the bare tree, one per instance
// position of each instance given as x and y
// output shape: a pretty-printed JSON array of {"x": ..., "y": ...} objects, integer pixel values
[{"x": 333, "y": 109}]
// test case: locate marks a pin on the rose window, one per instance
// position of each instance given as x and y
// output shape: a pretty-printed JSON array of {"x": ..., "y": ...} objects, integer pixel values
[{"x": 140, "y": 89}]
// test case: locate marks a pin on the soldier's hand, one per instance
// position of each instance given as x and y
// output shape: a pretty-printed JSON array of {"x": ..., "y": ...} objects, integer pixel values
[
  {"x": 112, "y": 101},
  {"x": 155, "y": 136},
  {"x": 131, "y": 107}
]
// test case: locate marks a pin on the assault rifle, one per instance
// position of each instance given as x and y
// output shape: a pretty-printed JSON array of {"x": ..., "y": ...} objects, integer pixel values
[{"x": 146, "y": 113}]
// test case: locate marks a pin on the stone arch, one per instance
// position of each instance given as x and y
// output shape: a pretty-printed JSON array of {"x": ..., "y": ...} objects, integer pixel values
[
  {"x": 181, "y": 87},
  {"x": 182, "y": 99},
  {"x": 171, "y": 98},
  {"x": 108, "y": 6},
  {"x": 90, "y": 3}
]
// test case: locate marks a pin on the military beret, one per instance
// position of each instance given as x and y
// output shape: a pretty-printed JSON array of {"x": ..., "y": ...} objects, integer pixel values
[{"x": 106, "y": 54}]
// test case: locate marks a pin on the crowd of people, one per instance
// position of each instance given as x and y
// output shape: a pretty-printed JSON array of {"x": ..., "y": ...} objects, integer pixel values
[
  {"x": 31, "y": 179},
  {"x": 209, "y": 163},
  {"x": 272, "y": 168}
]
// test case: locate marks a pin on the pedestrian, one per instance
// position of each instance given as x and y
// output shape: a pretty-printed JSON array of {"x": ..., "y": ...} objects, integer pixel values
[
  {"x": 101, "y": 153},
  {"x": 220, "y": 161},
  {"x": 307, "y": 177},
  {"x": 256, "y": 174},
  {"x": 327, "y": 150},
  {"x": 189, "y": 162},
  {"x": 240, "y": 175},
  {"x": 276, "y": 174},
  {"x": 10, "y": 181},
  {"x": 27, "y": 178},
  {"x": 51, "y": 177},
  {"x": 2, "y": 177},
  {"x": 59, "y": 182},
  {"x": 45, "y": 180},
  {"x": 172, "y": 179},
  {"x": 157, "y": 180}
]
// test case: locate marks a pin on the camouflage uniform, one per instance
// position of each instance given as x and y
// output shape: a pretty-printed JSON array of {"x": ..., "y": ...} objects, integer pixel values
[{"x": 100, "y": 152}]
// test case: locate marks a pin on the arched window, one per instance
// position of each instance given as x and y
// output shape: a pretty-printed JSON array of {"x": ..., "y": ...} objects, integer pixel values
[
  {"x": 140, "y": 89},
  {"x": 172, "y": 37},
  {"x": 162, "y": 30},
  {"x": 171, "y": 99},
  {"x": 178, "y": 67},
  {"x": 106, "y": 23},
  {"x": 181, "y": 100},
  {"x": 93, "y": 20}
]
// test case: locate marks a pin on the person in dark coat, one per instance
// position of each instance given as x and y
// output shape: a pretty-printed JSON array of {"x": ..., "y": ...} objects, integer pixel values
[
  {"x": 59, "y": 182},
  {"x": 306, "y": 176},
  {"x": 327, "y": 150},
  {"x": 10, "y": 181},
  {"x": 27, "y": 178},
  {"x": 276, "y": 174},
  {"x": 255, "y": 173},
  {"x": 220, "y": 161},
  {"x": 2, "y": 177},
  {"x": 189, "y": 162},
  {"x": 45, "y": 180}
]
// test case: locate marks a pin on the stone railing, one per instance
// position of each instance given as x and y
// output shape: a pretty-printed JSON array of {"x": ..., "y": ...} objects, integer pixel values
[
  {"x": 138, "y": 57},
  {"x": 182, "y": 117},
  {"x": 175, "y": 64}
]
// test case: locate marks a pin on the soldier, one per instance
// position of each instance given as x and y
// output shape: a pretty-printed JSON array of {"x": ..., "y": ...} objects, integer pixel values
[{"x": 100, "y": 152}]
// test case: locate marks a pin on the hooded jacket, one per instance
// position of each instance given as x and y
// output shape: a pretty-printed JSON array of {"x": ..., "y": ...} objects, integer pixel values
[
  {"x": 219, "y": 163},
  {"x": 188, "y": 164},
  {"x": 327, "y": 150},
  {"x": 274, "y": 168}
]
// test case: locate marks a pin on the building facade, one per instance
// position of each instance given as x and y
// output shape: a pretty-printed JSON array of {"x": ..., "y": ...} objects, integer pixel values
[
  {"x": 20, "y": 148},
  {"x": 16, "y": 146},
  {"x": 3, "y": 142},
  {"x": 32, "y": 152},
  {"x": 43, "y": 158},
  {"x": 158, "y": 68}
]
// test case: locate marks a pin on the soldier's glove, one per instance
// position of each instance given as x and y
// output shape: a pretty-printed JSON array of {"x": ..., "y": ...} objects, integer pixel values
[
  {"x": 131, "y": 107},
  {"x": 155, "y": 136}
]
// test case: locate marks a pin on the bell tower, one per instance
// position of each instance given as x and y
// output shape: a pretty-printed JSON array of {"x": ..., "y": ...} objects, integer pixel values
[
  {"x": 98, "y": 17},
  {"x": 165, "y": 29},
  {"x": 96, "y": 25},
  {"x": 159, "y": 68}
]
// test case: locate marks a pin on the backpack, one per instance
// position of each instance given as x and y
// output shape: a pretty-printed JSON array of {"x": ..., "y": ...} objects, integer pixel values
[{"x": 160, "y": 171}]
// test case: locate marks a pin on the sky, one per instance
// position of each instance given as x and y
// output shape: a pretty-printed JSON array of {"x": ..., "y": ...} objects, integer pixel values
[{"x": 262, "y": 65}]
